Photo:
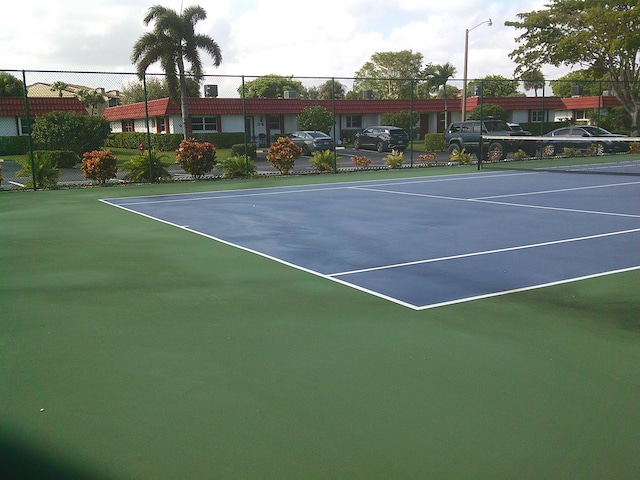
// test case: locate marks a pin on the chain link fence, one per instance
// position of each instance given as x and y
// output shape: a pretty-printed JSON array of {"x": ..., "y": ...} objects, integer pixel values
[{"x": 43, "y": 142}]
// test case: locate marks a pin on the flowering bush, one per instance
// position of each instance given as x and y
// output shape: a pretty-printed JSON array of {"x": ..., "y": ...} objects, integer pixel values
[
  {"x": 427, "y": 159},
  {"x": 196, "y": 158},
  {"x": 283, "y": 153},
  {"x": 361, "y": 161},
  {"x": 99, "y": 165}
]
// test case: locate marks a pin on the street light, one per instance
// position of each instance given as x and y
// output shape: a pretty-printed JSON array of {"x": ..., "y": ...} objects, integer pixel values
[{"x": 466, "y": 55}]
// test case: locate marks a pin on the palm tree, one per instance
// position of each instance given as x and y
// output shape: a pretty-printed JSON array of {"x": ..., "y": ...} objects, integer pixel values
[
  {"x": 172, "y": 42},
  {"x": 59, "y": 87},
  {"x": 533, "y": 80},
  {"x": 439, "y": 76}
]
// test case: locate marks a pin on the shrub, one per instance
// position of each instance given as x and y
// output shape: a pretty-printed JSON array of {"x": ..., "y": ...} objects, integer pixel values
[
  {"x": 239, "y": 150},
  {"x": 461, "y": 156},
  {"x": 99, "y": 165},
  {"x": 70, "y": 131},
  {"x": 324, "y": 161},
  {"x": 14, "y": 145},
  {"x": 238, "y": 166},
  {"x": 361, "y": 161},
  {"x": 140, "y": 168},
  {"x": 428, "y": 159},
  {"x": 520, "y": 154},
  {"x": 571, "y": 152},
  {"x": 283, "y": 154},
  {"x": 196, "y": 158},
  {"x": 45, "y": 173},
  {"x": 634, "y": 147},
  {"x": 395, "y": 159},
  {"x": 434, "y": 142},
  {"x": 60, "y": 158}
]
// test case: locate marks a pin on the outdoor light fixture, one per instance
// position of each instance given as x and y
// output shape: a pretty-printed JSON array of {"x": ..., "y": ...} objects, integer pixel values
[{"x": 466, "y": 57}]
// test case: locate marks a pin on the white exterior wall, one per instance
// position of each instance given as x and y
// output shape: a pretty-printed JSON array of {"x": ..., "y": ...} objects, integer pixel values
[
  {"x": 519, "y": 116},
  {"x": 231, "y": 123}
]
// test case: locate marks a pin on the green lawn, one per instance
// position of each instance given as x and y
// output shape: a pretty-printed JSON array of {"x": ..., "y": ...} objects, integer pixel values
[{"x": 156, "y": 353}]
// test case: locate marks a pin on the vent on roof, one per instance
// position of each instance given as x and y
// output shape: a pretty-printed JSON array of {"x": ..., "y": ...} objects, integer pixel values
[
  {"x": 367, "y": 94},
  {"x": 211, "y": 91},
  {"x": 577, "y": 91},
  {"x": 290, "y": 94}
]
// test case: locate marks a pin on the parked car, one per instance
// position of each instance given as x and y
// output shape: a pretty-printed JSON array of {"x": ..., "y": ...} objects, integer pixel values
[
  {"x": 311, "y": 140},
  {"x": 573, "y": 137},
  {"x": 382, "y": 138},
  {"x": 467, "y": 135}
]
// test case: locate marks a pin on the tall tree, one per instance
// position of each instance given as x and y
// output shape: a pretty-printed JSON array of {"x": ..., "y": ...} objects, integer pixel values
[
  {"x": 272, "y": 86},
  {"x": 134, "y": 92},
  {"x": 533, "y": 80},
  {"x": 90, "y": 99},
  {"x": 439, "y": 75},
  {"x": 10, "y": 86},
  {"x": 173, "y": 42},
  {"x": 59, "y": 86},
  {"x": 591, "y": 86},
  {"x": 390, "y": 74},
  {"x": 331, "y": 89},
  {"x": 601, "y": 35},
  {"x": 495, "y": 86}
]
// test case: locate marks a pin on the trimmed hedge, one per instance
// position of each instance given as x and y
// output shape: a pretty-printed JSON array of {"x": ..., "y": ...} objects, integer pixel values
[
  {"x": 434, "y": 142},
  {"x": 14, "y": 145},
  {"x": 167, "y": 142},
  {"x": 58, "y": 158},
  {"x": 238, "y": 150}
]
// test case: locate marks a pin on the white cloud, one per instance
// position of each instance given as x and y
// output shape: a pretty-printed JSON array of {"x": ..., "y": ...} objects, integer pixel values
[{"x": 329, "y": 39}]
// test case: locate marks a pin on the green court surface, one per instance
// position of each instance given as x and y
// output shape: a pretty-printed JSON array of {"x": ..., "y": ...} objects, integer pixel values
[{"x": 130, "y": 349}]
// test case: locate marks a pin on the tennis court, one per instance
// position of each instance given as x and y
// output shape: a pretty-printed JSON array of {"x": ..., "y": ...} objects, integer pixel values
[
  {"x": 280, "y": 328},
  {"x": 427, "y": 242}
]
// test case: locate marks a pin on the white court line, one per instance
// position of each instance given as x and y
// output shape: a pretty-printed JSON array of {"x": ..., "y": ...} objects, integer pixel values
[
  {"x": 484, "y": 252},
  {"x": 559, "y": 190}
]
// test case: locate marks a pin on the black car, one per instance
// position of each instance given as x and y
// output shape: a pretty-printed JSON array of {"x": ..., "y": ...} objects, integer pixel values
[
  {"x": 311, "y": 140},
  {"x": 467, "y": 134},
  {"x": 382, "y": 138},
  {"x": 598, "y": 139}
]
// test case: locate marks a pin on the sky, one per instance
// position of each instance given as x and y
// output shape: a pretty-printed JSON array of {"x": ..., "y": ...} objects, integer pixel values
[{"x": 328, "y": 38}]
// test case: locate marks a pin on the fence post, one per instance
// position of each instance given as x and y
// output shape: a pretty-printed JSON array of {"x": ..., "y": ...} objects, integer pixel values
[
  {"x": 30, "y": 125},
  {"x": 146, "y": 117},
  {"x": 333, "y": 113},
  {"x": 244, "y": 115}
]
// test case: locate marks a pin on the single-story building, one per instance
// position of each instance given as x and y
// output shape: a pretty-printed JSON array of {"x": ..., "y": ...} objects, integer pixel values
[
  {"x": 264, "y": 118},
  {"x": 13, "y": 112}
]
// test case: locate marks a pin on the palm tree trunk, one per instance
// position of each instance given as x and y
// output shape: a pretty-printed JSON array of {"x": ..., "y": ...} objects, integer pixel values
[{"x": 184, "y": 105}]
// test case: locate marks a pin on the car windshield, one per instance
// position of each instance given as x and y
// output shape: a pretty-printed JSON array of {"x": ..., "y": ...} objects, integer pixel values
[{"x": 318, "y": 134}]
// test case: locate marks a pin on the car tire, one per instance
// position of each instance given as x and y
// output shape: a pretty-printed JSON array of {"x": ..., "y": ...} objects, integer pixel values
[
  {"x": 548, "y": 150},
  {"x": 600, "y": 149},
  {"x": 356, "y": 144},
  {"x": 495, "y": 152},
  {"x": 454, "y": 148},
  {"x": 380, "y": 147},
  {"x": 306, "y": 150}
]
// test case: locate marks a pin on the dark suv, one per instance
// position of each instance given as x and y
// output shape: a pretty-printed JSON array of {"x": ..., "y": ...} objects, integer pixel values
[
  {"x": 382, "y": 138},
  {"x": 467, "y": 135}
]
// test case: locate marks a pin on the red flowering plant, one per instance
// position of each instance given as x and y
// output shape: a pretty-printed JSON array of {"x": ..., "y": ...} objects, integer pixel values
[
  {"x": 361, "y": 161},
  {"x": 283, "y": 153},
  {"x": 196, "y": 158},
  {"x": 99, "y": 165}
]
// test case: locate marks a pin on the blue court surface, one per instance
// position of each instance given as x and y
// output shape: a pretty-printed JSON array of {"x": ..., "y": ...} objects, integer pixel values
[{"x": 430, "y": 241}]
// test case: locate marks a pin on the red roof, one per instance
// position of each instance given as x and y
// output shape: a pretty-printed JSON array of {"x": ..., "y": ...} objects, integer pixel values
[
  {"x": 14, "y": 106},
  {"x": 294, "y": 106}
]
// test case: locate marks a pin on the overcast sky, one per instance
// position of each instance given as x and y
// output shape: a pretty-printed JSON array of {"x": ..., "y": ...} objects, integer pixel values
[{"x": 328, "y": 38}]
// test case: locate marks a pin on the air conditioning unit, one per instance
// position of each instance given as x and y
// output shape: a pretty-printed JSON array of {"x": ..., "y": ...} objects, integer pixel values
[
  {"x": 211, "y": 91},
  {"x": 367, "y": 94},
  {"x": 290, "y": 94},
  {"x": 477, "y": 91},
  {"x": 607, "y": 93},
  {"x": 577, "y": 91}
]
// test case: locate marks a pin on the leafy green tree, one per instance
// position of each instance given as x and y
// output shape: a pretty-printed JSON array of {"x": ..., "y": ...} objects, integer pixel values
[
  {"x": 489, "y": 110},
  {"x": 591, "y": 86},
  {"x": 391, "y": 74},
  {"x": 495, "y": 86},
  {"x": 599, "y": 34},
  {"x": 133, "y": 92},
  {"x": 404, "y": 120},
  {"x": 10, "y": 86},
  {"x": 173, "y": 42},
  {"x": 315, "y": 117},
  {"x": 533, "y": 80},
  {"x": 272, "y": 86},
  {"x": 70, "y": 131},
  {"x": 331, "y": 89}
]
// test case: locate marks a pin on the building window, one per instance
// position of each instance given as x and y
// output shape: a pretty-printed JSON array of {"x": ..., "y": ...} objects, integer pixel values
[
  {"x": 537, "y": 116},
  {"x": 127, "y": 125},
  {"x": 204, "y": 124},
  {"x": 274, "y": 122},
  {"x": 354, "y": 121},
  {"x": 160, "y": 125},
  {"x": 25, "y": 126}
]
